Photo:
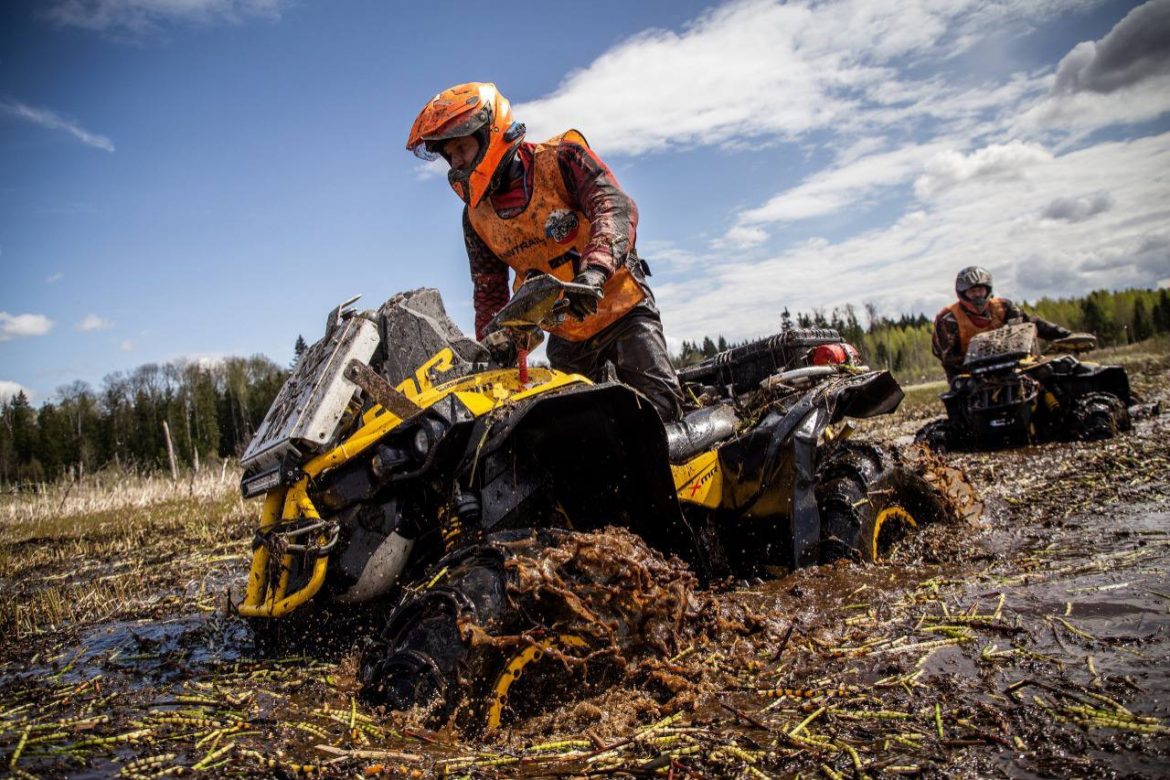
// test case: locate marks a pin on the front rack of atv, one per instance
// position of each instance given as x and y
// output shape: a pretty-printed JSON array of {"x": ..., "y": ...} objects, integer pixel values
[{"x": 275, "y": 549}]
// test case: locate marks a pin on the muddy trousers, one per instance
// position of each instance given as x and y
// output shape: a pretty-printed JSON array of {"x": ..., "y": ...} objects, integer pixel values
[{"x": 636, "y": 348}]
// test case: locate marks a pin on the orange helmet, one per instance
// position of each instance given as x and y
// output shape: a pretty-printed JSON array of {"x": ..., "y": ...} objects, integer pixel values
[{"x": 475, "y": 109}]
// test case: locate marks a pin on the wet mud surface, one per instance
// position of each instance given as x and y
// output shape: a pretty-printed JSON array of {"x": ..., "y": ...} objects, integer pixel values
[{"x": 1033, "y": 643}]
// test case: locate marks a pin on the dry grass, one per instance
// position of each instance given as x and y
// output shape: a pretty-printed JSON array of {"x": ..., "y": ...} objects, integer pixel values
[
  {"x": 115, "y": 546},
  {"x": 108, "y": 491}
]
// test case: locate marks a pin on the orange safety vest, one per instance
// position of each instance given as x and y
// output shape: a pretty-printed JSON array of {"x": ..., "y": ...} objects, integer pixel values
[
  {"x": 549, "y": 235},
  {"x": 968, "y": 328}
]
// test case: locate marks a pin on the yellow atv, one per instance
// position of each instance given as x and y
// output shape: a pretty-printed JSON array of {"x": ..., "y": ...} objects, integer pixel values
[{"x": 500, "y": 513}]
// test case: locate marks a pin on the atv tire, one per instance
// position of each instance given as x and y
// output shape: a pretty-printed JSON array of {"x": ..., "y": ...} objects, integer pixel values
[
  {"x": 937, "y": 434},
  {"x": 1099, "y": 416},
  {"x": 477, "y": 645},
  {"x": 868, "y": 504}
]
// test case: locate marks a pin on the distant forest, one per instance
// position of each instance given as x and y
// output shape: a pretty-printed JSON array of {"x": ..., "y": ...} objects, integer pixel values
[{"x": 212, "y": 410}]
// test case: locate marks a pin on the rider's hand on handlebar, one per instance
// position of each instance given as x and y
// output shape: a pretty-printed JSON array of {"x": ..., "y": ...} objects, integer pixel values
[{"x": 581, "y": 303}]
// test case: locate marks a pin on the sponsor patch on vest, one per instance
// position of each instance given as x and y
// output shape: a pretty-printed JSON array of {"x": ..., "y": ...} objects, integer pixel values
[
  {"x": 561, "y": 226},
  {"x": 527, "y": 243}
]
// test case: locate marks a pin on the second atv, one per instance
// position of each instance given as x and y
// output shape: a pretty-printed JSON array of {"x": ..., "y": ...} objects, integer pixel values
[{"x": 1009, "y": 395}]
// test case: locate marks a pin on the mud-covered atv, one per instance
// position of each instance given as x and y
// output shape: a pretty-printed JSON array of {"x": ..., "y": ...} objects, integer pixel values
[
  {"x": 1009, "y": 394},
  {"x": 504, "y": 512}
]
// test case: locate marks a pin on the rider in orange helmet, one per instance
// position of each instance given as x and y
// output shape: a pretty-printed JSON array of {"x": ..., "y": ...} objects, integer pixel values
[{"x": 556, "y": 208}]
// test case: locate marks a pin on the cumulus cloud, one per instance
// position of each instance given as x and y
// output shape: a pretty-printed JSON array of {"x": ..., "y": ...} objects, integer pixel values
[
  {"x": 138, "y": 16},
  {"x": 93, "y": 322},
  {"x": 1137, "y": 48},
  {"x": 741, "y": 237},
  {"x": 757, "y": 71},
  {"x": 9, "y": 389},
  {"x": 52, "y": 121},
  {"x": 996, "y": 221},
  {"x": 430, "y": 170},
  {"x": 997, "y": 161},
  {"x": 1123, "y": 78},
  {"x": 844, "y": 185},
  {"x": 13, "y": 326},
  {"x": 1077, "y": 209}
]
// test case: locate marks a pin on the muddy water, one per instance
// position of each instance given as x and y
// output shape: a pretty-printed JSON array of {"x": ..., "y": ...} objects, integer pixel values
[{"x": 1031, "y": 645}]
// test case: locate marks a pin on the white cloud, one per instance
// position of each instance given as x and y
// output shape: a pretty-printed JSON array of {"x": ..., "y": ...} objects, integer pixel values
[
  {"x": 759, "y": 70},
  {"x": 1078, "y": 209},
  {"x": 836, "y": 188},
  {"x": 1081, "y": 113},
  {"x": 742, "y": 237},
  {"x": 14, "y": 326},
  {"x": 52, "y": 121},
  {"x": 128, "y": 346},
  {"x": 998, "y": 161},
  {"x": 996, "y": 221},
  {"x": 138, "y": 16},
  {"x": 10, "y": 389},
  {"x": 93, "y": 322},
  {"x": 430, "y": 170},
  {"x": 53, "y": 279}
]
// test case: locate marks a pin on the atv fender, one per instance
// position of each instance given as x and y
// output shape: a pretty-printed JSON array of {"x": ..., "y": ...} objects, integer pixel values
[
  {"x": 806, "y": 517},
  {"x": 601, "y": 449},
  {"x": 865, "y": 395}
]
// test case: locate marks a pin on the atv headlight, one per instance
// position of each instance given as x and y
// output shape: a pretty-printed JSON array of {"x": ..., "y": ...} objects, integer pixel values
[
  {"x": 421, "y": 443},
  {"x": 260, "y": 483}
]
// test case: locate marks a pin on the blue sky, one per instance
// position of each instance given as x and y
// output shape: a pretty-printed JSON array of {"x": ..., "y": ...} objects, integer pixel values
[{"x": 186, "y": 179}]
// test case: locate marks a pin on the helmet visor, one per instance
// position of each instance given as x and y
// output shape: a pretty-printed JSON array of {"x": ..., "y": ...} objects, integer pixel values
[{"x": 464, "y": 124}]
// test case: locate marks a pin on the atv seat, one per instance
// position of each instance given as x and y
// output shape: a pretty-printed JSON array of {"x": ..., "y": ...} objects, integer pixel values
[{"x": 698, "y": 430}]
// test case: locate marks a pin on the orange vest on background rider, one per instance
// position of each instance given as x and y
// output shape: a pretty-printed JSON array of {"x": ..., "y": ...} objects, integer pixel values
[
  {"x": 968, "y": 327},
  {"x": 549, "y": 236}
]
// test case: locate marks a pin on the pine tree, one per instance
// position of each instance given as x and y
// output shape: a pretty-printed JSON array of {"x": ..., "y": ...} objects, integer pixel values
[
  {"x": 1143, "y": 324},
  {"x": 298, "y": 350}
]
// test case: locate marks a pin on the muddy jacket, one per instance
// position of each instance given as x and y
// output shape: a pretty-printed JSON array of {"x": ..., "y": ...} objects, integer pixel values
[
  {"x": 561, "y": 212},
  {"x": 954, "y": 326}
]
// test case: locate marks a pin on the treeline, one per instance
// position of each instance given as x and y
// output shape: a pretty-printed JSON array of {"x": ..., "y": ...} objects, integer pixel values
[
  {"x": 902, "y": 345},
  {"x": 210, "y": 410}
]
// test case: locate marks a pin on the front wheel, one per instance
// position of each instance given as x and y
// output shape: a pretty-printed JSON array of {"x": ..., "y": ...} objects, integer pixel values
[
  {"x": 526, "y": 620},
  {"x": 869, "y": 504}
]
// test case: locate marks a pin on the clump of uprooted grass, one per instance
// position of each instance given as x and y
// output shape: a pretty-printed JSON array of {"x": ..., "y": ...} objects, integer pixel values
[{"x": 115, "y": 546}]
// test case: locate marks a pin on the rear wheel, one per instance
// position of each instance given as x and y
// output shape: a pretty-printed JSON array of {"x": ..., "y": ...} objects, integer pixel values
[
  {"x": 526, "y": 620},
  {"x": 869, "y": 504},
  {"x": 1099, "y": 416}
]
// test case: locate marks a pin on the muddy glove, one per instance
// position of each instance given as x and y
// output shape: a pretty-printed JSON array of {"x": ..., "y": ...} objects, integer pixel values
[
  {"x": 501, "y": 347},
  {"x": 582, "y": 304}
]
